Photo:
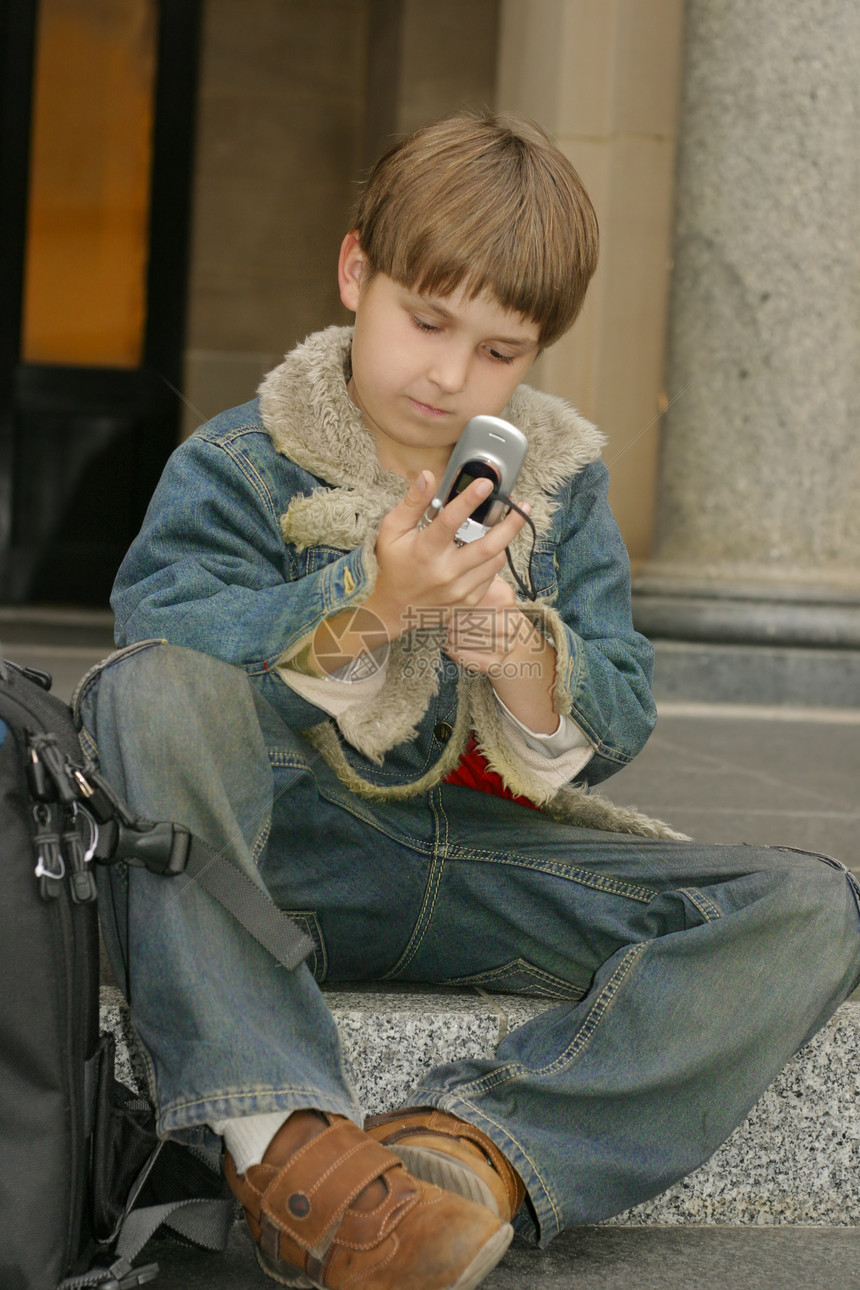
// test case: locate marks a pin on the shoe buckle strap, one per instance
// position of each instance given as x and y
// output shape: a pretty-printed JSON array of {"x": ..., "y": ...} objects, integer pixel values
[
  {"x": 270, "y": 1237},
  {"x": 315, "y": 1259}
]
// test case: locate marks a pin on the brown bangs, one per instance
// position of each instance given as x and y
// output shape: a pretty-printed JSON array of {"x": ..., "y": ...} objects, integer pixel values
[{"x": 487, "y": 204}]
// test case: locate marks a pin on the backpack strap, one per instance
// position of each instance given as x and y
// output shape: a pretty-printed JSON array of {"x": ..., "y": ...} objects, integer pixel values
[
  {"x": 205, "y": 1222},
  {"x": 171, "y": 849},
  {"x": 249, "y": 904}
]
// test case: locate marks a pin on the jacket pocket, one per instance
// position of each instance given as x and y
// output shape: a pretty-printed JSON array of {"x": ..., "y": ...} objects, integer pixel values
[
  {"x": 543, "y": 570},
  {"x": 313, "y": 558}
]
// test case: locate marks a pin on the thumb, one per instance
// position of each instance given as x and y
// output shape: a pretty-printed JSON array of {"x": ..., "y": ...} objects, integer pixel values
[
  {"x": 421, "y": 488},
  {"x": 418, "y": 497}
]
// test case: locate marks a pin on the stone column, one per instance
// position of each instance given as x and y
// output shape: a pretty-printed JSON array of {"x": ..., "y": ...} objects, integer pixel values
[
  {"x": 603, "y": 77},
  {"x": 759, "y": 497}
]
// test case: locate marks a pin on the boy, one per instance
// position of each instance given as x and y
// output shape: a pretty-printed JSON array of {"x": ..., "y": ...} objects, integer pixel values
[{"x": 364, "y": 716}]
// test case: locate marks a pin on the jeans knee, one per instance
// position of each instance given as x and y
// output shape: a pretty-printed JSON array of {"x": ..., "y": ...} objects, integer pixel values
[
  {"x": 827, "y": 910},
  {"x": 129, "y": 679},
  {"x": 825, "y": 895},
  {"x": 163, "y": 679},
  {"x": 164, "y": 699},
  {"x": 177, "y": 735}
]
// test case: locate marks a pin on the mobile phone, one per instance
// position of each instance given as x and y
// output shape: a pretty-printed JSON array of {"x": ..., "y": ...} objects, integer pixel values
[{"x": 488, "y": 448}]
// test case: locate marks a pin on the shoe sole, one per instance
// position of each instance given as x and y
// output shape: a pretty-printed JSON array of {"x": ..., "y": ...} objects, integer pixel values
[
  {"x": 446, "y": 1172},
  {"x": 485, "y": 1260},
  {"x": 480, "y": 1267}
]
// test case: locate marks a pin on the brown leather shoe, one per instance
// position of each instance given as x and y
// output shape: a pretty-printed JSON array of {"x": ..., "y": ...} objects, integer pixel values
[
  {"x": 329, "y": 1207},
  {"x": 445, "y": 1150}
]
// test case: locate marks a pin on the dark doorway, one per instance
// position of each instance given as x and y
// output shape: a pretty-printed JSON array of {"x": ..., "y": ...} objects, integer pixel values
[{"x": 96, "y": 136}]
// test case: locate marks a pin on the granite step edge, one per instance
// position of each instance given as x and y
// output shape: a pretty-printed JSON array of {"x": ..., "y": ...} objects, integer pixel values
[{"x": 794, "y": 1160}]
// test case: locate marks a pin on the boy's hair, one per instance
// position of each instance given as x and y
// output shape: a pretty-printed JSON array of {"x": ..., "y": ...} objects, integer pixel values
[{"x": 487, "y": 202}]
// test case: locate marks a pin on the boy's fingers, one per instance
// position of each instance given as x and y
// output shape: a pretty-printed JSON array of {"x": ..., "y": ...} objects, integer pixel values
[
  {"x": 417, "y": 511},
  {"x": 495, "y": 540},
  {"x": 460, "y": 507},
  {"x": 411, "y": 509}
]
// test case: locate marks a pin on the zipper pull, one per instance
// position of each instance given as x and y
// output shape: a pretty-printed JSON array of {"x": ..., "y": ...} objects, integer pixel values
[
  {"x": 38, "y": 780},
  {"x": 50, "y": 866},
  {"x": 52, "y": 774},
  {"x": 98, "y": 803},
  {"x": 82, "y": 880},
  {"x": 58, "y": 768}
]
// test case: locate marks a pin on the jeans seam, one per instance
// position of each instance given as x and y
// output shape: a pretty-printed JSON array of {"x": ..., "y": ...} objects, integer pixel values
[
  {"x": 597, "y": 1012},
  {"x": 422, "y": 923},
  {"x": 261, "y": 842},
  {"x": 431, "y": 893},
  {"x": 611, "y": 886},
  {"x": 709, "y": 911},
  {"x": 482, "y": 1115},
  {"x": 442, "y": 815},
  {"x": 251, "y": 473},
  {"x": 149, "y": 1067}
]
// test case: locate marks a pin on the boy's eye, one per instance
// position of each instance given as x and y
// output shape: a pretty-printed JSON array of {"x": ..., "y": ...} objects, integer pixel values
[
  {"x": 497, "y": 357},
  {"x": 422, "y": 325}
]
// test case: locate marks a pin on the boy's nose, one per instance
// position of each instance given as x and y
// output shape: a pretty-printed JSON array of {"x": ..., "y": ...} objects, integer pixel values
[{"x": 450, "y": 370}]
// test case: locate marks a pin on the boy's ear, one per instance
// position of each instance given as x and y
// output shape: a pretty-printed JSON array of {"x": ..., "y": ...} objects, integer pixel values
[{"x": 351, "y": 266}]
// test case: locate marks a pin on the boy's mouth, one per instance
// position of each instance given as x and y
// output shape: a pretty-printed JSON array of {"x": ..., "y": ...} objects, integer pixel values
[{"x": 427, "y": 409}]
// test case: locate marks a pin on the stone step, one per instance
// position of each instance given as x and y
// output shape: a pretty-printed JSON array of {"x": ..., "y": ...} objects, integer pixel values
[
  {"x": 795, "y": 1160},
  {"x": 604, "y": 1257}
]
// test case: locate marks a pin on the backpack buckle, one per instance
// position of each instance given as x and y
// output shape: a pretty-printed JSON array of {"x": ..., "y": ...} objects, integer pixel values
[
  {"x": 160, "y": 847},
  {"x": 128, "y": 1280}
]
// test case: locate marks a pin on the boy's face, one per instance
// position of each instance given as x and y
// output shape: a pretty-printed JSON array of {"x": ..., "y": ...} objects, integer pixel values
[{"x": 423, "y": 365}]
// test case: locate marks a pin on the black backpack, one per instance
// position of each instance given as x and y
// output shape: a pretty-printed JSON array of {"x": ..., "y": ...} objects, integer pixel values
[{"x": 84, "y": 1181}]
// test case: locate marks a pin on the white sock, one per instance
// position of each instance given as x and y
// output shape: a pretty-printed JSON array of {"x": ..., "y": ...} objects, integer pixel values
[{"x": 248, "y": 1137}]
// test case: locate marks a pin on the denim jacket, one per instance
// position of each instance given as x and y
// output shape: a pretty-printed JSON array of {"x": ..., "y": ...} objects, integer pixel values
[{"x": 263, "y": 525}]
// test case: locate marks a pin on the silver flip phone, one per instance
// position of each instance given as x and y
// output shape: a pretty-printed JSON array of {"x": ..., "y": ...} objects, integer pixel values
[{"x": 488, "y": 448}]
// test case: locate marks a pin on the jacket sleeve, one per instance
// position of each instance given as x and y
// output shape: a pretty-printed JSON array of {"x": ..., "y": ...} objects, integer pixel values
[
  {"x": 604, "y": 669},
  {"x": 210, "y": 570}
]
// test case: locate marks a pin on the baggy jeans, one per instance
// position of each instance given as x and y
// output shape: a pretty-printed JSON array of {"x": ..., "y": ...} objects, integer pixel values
[{"x": 687, "y": 975}]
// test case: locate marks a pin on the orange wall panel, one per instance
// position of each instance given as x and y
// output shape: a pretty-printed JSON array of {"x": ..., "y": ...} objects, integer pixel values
[{"x": 85, "y": 283}]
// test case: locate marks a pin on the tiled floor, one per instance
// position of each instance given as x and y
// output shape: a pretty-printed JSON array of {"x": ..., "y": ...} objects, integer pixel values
[{"x": 786, "y": 777}]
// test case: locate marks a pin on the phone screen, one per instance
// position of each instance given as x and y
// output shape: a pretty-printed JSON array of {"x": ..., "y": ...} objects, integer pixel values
[{"x": 471, "y": 471}]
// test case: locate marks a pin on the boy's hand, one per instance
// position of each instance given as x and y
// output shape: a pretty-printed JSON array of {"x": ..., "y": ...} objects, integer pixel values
[
  {"x": 496, "y": 638},
  {"x": 423, "y": 568},
  {"x": 481, "y": 637}
]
